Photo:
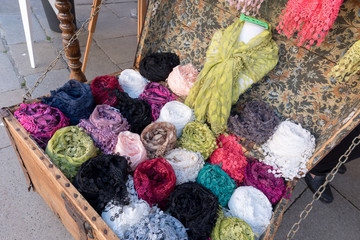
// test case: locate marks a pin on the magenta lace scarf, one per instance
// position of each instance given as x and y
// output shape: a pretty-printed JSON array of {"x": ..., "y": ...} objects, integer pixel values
[
  {"x": 41, "y": 121},
  {"x": 157, "y": 96}
]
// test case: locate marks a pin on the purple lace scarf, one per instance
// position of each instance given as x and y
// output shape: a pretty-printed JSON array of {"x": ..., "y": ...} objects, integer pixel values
[
  {"x": 41, "y": 121},
  {"x": 104, "y": 125}
]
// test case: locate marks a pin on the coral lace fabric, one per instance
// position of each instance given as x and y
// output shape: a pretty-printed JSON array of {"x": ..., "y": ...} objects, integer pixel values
[{"x": 310, "y": 19}]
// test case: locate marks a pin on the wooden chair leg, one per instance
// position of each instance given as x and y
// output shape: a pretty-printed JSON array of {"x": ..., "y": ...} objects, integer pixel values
[
  {"x": 26, "y": 19},
  {"x": 73, "y": 53}
]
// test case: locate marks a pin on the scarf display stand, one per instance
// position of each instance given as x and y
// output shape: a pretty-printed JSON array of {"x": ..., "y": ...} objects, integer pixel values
[{"x": 298, "y": 88}]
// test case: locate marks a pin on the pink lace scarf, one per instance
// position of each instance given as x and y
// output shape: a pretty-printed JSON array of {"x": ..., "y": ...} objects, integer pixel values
[
  {"x": 311, "y": 20},
  {"x": 41, "y": 121}
]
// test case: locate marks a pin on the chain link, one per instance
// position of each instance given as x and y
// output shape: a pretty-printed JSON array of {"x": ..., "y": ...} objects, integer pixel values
[
  {"x": 318, "y": 193},
  {"x": 28, "y": 94}
]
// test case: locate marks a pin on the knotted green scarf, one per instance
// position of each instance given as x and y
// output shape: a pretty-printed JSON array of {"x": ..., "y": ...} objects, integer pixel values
[
  {"x": 68, "y": 148},
  {"x": 228, "y": 60},
  {"x": 231, "y": 228}
]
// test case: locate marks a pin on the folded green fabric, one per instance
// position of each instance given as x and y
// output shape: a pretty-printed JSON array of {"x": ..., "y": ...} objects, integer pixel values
[
  {"x": 68, "y": 148},
  {"x": 349, "y": 64},
  {"x": 230, "y": 228},
  {"x": 231, "y": 68},
  {"x": 197, "y": 137}
]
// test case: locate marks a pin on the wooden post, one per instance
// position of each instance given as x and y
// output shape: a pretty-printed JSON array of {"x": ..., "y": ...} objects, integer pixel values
[
  {"x": 92, "y": 26},
  {"x": 73, "y": 53},
  {"x": 142, "y": 5}
]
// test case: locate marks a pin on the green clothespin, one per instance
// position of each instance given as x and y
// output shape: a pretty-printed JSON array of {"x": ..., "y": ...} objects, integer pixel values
[{"x": 254, "y": 20}]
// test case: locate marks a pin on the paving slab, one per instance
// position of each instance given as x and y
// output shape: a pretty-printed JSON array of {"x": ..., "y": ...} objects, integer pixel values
[
  {"x": 4, "y": 139},
  {"x": 83, "y": 12},
  {"x": 120, "y": 50},
  {"x": 2, "y": 47},
  {"x": 348, "y": 184},
  {"x": 111, "y": 26},
  {"x": 14, "y": 31},
  {"x": 126, "y": 65},
  {"x": 10, "y": 7},
  {"x": 98, "y": 63},
  {"x": 10, "y": 98},
  {"x": 27, "y": 215},
  {"x": 38, "y": 10},
  {"x": 299, "y": 189},
  {"x": 53, "y": 80},
  {"x": 8, "y": 79},
  {"x": 123, "y": 9},
  {"x": 44, "y": 55},
  {"x": 338, "y": 220}
]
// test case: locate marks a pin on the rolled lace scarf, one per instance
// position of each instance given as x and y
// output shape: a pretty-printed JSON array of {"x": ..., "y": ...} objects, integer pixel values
[
  {"x": 41, "y": 121},
  {"x": 178, "y": 114},
  {"x": 248, "y": 7},
  {"x": 74, "y": 99},
  {"x": 231, "y": 228},
  {"x": 157, "y": 96},
  {"x": 182, "y": 78},
  {"x": 231, "y": 67},
  {"x": 154, "y": 180},
  {"x": 256, "y": 122},
  {"x": 260, "y": 176},
  {"x": 288, "y": 150},
  {"x": 157, "y": 66},
  {"x": 68, "y": 148},
  {"x": 130, "y": 145},
  {"x": 186, "y": 164},
  {"x": 198, "y": 137},
  {"x": 310, "y": 20},
  {"x": 157, "y": 226},
  {"x": 137, "y": 112},
  {"x": 102, "y": 179},
  {"x": 104, "y": 125},
  {"x": 349, "y": 64},
  {"x": 158, "y": 138},
  {"x": 102, "y": 87},
  {"x": 196, "y": 207},
  {"x": 132, "y": 82},
  {"x": 215, "y": 179},
  {"x": 120, "y": 217},
  {"x": 252, "y": 206},
  {"x": 230, "y": 157}
]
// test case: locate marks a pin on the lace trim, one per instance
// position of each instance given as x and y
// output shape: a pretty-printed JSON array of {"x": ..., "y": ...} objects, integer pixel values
[
  {"x": 132, "y": 82},
  {"x": 289, "y": 162},
  {"x": 252, "y": 206},
  {"x": 186, "y": 164},
  {"x": 178, "y": 114}
]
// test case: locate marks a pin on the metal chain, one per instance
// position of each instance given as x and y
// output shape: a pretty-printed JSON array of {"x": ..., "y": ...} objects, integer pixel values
[
  {"x": 319, "y": 192},
  {"x": 28, "y": 94}
]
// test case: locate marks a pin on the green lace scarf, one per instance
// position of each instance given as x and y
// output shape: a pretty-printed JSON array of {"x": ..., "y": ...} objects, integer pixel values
[
  {"x": 68, "y": 148},
  {"x": 229, "y": 228},
  {"x": 227, "y": 60}
]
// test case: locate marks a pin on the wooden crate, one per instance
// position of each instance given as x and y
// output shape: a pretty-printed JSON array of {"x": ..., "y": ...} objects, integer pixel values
[{"x": 297, "y": 88}]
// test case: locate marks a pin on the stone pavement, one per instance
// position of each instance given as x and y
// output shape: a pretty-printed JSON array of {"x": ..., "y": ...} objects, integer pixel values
[{"x": 24, "y": 215}]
